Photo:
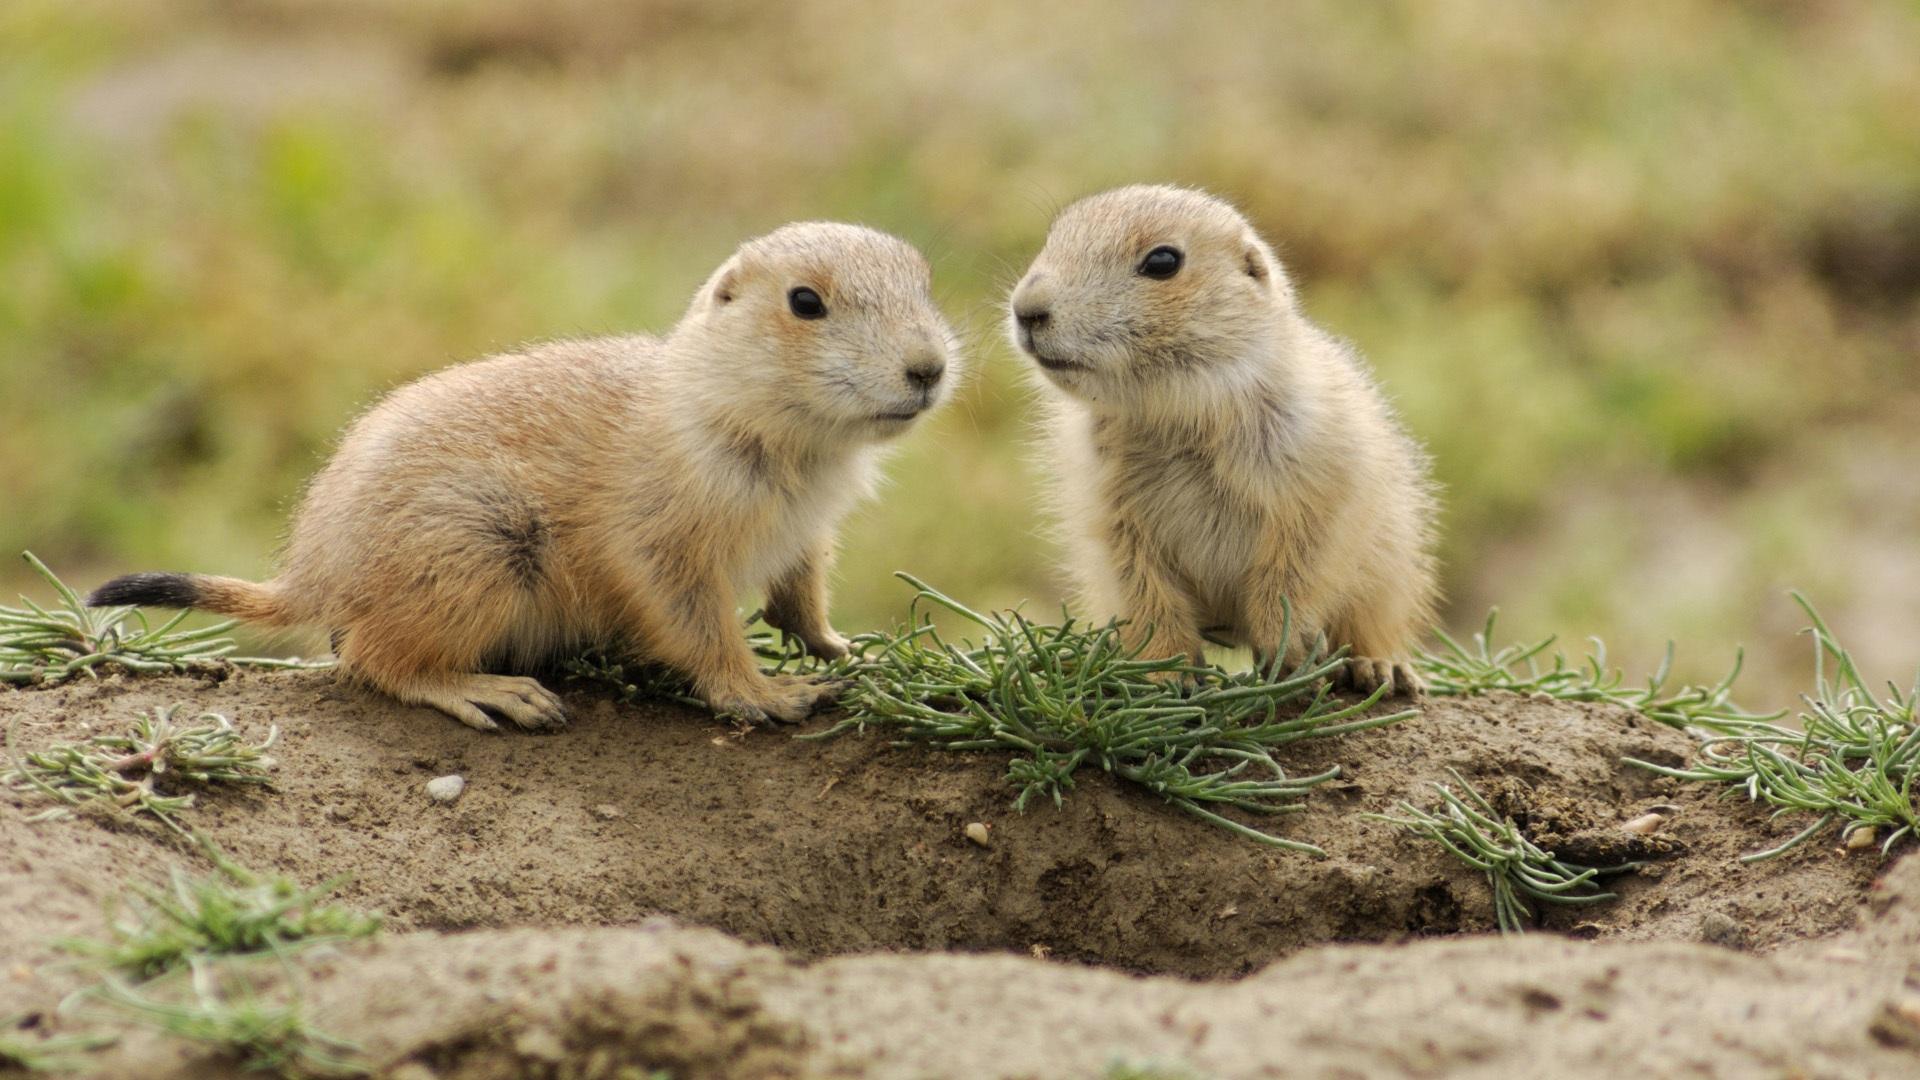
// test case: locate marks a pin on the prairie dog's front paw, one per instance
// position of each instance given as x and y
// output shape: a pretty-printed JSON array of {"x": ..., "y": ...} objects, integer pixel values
[
  {"x": 827, "y": 644},
  {"x": 1367, "y": 674},
  {"x": 785, "y": 699},
  {"x": 818, "y": 638}
]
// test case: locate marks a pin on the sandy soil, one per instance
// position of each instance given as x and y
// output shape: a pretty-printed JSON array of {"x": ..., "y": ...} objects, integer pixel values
[{"x": 528, "y": 935}]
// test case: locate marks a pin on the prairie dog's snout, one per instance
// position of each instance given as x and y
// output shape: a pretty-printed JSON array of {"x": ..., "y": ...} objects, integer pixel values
[
  {"x": 1030, "y": 303},
  {"x": 1032, "y": 307},
  {"x": 924, "y": 372}
]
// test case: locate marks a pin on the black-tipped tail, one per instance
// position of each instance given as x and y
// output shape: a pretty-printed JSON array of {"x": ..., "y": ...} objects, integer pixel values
[{"x": 147, "y": 590}]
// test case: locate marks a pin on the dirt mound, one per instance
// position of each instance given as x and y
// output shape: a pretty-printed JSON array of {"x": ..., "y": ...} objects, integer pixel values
[
  {"x": 614, "y": 1003},
  {"x": 848, "y": 846}
]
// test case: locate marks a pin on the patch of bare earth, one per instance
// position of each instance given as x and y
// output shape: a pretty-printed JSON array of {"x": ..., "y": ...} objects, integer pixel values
[{"x": 649, "y": 889}]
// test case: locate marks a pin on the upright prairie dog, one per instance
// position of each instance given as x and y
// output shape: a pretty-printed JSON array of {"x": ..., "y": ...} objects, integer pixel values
[
  {"x": 1214, "y": 451},
  {"x": 624, "y": 489}
]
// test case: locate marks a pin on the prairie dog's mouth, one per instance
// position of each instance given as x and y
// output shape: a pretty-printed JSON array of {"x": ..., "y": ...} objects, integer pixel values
[
  {"x": 897, "y": 417},
  {"x": 1051, "y": 363},
  {"x": 1054, "y": 364}
]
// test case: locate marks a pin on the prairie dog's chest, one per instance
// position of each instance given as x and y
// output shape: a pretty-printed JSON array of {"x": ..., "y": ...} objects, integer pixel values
[
  {"x": 1186, "y": 511},
  {"x": 791, "y": 523}
]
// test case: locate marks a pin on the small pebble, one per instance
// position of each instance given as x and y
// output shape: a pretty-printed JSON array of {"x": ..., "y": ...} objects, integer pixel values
[
  {"x": 1860, "y": 839},
  {"x": 338, "y": 812},
  {"x": 1898, "y": 1023},
  {"x": 979, "y": 832},
  {"x": 1645, "y": 824},
  {"x": 446, "y": 788},
  {"x": 1719, "y": 928},
  {"x": 608, "y": 811},
  {"x": 540, "y": 1044}
]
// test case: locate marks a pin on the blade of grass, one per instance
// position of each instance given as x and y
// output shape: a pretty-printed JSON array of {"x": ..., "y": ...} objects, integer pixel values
[
  {"x": 1517, "y": 869},
  {"x": 1459, "y": 669}
]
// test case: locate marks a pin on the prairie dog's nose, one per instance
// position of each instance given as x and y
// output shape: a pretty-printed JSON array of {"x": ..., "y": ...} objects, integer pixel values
[
  {"x": 924, "y": 374},
  {"x": 1030, "y": 304}
]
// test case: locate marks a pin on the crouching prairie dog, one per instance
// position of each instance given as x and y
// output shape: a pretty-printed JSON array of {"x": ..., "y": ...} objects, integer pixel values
[
  {"x": 1213, "y": 451},
  {"x": 626, "y": 489}
]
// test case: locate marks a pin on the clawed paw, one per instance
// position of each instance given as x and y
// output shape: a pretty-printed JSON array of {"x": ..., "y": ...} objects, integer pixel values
[
  {"x": 827, "y": 646},
  {"x": 475, "y": 700},
  {"x": 785, "y": 699},
  {"x": 1367, "y": 674}
]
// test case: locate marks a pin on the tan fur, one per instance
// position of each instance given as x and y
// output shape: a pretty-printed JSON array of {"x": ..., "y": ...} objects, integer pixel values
[
  {"x": 1214, "y": 452},
  {"x": 624, "y": 489}
]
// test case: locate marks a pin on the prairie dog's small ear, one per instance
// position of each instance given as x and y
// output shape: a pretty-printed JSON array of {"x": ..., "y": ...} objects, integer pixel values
[
  {"x": 1257, "y": 259},
  {"x": 1260, "y": 263},
  {"x": 725, "y": 283}
]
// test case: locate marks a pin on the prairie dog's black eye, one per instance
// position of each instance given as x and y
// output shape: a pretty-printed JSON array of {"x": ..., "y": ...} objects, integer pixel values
[
  {"x": 1162, "y": 262},
  {"x": 806, "y": 303}
]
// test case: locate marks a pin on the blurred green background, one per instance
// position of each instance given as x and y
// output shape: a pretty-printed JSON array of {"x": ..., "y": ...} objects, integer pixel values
[{"x": 1645, "y": 277}]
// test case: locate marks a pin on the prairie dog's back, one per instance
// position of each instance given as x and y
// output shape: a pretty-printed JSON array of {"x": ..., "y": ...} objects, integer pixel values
[{"x": 529, "y": 435}]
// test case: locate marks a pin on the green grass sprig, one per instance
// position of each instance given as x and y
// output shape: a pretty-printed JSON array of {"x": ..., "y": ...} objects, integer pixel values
[
  {"x": 1457, "y": 669},
  {"x": 1070, "y": 695},
  {"x": 232, "y": 912},
  {"x": 50, "y": 645},
  {"x": 57, "y": 1053},
  {"x": 143, "y": 770},
  {"x": 1851, "y": 762},
  {"x": 1517, "y": 869},
  {"x": 260, "y": 1035}
]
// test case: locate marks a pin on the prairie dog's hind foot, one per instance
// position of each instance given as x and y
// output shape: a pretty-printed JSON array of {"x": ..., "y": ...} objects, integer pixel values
[
  {"x": 475, "y": 700},
  {"x": 774, "y": 699},
  {"x": 1365, "y": 674}
]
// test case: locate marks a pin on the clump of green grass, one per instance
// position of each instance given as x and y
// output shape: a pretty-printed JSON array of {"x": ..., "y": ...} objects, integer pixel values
[
  {"x": 204, "y": 926},
  {"x": 1517, "y": 869},
  {"x": 50, "y": 645},
  {"x": 125, "y": 774},
  {"x": 1457, "y": 669},
  {"x": 632, "y": 681},
  {"x": 642, "y": 681},
  {"x": 261, "y": 1036},
  {"x": 232, "y": 912},
  {"x": 1070, "y": 695},
  {"x": 1851, "y": 762},
  {"x": 56, "y": 1053}
]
